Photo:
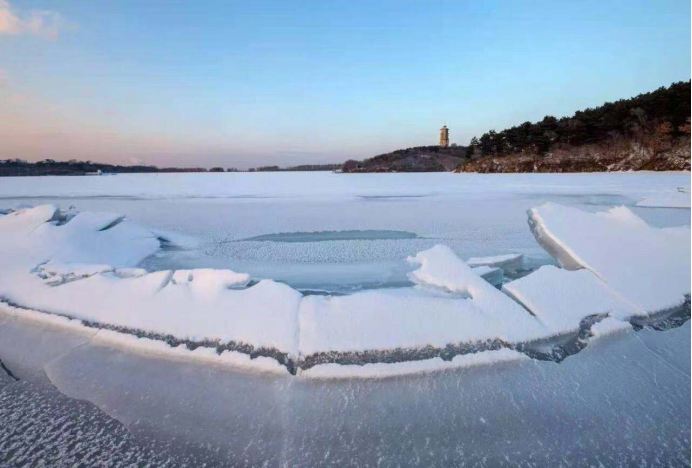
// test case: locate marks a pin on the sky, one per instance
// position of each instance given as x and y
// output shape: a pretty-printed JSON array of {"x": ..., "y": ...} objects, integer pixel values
[{"x": 251, "y": 83}]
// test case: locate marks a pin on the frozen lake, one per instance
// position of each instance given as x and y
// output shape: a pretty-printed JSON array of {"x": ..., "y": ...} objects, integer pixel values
[
  {"x": 67, "y": 394},
  {"x": 341, "y": 232}
]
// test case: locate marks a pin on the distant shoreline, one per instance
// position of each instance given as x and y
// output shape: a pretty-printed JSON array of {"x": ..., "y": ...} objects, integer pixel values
[{"x": 21, "y": 168}]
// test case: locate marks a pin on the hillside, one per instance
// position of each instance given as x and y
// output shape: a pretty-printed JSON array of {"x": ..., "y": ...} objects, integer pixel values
[
  {"x": 648, "y": 132},
  {"x": 418, "y": 159}
]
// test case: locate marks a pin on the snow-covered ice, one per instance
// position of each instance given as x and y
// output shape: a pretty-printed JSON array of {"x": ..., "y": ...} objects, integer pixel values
[{"x": 679, "y": 198}]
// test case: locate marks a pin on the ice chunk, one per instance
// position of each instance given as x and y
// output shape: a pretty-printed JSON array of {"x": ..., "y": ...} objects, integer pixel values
[
  {"x": 30, "y": 238},
  {"x": 28, "y": 219},
  {"x": 506, "y": 262},
  {"x": 441, "y": 268},
  {"x": 646, "y": 266},
  {"x": 208, "y": 281},
  {"x": 561, "y": 298},
  {"x": 490, "y": 274},
  {"x": 609, "y": 326},
  {"x": 93, "y": 221},
  {"x": 130, "y": 272},
  {"x": 55, "y": 273}
]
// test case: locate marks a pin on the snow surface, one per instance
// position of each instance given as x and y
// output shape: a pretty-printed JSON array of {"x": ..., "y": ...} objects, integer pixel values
[
  {"x": 647, "y": 267},
  {"x": 310, "y": 185}
]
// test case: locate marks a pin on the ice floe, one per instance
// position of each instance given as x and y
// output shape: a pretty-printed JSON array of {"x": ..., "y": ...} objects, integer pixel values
[{"x": 609, "y": 326}]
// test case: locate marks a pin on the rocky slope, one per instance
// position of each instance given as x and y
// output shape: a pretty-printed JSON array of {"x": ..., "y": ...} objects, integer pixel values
[{"x": 620, "y": 154}]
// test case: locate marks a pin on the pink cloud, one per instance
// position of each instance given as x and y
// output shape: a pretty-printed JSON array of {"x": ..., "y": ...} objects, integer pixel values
[{"x": 45, "y": 24}]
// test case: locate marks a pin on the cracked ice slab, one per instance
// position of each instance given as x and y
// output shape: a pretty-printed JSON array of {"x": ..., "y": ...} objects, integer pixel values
[
  {"x": 451, "y": 305},
  {"x": 76, "y": 269},
  {"x": 646, "y": 266},
  {"x": 507, "y": 261},
  {"x": 32, "y": 236},
  {"x": 561, "y": 299},
  {"x": 190, "y": 305}
]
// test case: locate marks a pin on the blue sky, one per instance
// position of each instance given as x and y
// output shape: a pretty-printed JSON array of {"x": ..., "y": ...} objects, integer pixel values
[{"x": 253, "y": 83}]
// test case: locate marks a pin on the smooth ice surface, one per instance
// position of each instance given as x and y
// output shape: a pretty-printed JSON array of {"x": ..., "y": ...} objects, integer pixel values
[
  {"x": 560, "y": 299},
  {"x": 518, "y": 413},
  {"x": 646, "y": 266}
]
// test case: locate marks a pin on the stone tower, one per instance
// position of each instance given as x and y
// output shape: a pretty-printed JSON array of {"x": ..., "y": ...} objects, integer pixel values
[{"x": 444, "y": 137}]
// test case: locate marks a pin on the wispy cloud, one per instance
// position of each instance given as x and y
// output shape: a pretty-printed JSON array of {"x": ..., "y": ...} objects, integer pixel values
[{"x": 45, "y": 24}]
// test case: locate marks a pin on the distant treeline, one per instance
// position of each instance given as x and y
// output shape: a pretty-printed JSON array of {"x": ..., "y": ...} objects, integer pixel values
[
  {"x": 19, "y": 167},
  {"x": 49, "y": 167},
  {"x": 303, "y": 168},
  {"x": 663, "y": 114}
]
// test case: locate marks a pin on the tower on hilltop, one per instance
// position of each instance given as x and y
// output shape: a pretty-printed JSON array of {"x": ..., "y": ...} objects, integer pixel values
[{"x": 444, "y": 137}]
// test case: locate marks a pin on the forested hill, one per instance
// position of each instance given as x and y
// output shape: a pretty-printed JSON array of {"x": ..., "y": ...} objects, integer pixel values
[
  {"x": 418, "y": 159},
  {"x": 647, "y": 132}
]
